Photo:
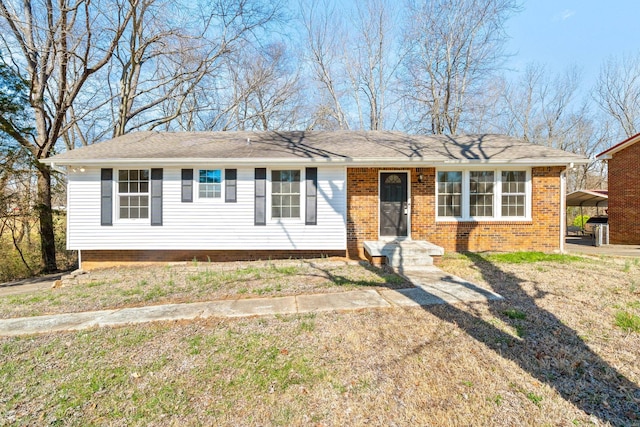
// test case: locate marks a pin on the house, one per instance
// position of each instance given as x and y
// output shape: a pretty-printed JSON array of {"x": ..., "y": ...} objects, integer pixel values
[
  {"x": 158, "y": 196},
  {"x": 623, "y": 162}
]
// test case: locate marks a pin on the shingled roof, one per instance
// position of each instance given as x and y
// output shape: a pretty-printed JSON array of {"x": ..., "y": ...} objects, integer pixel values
[{"x": 349, "y": 147}]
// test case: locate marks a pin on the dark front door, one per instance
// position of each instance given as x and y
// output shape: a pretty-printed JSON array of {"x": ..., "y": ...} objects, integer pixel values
[{"x": 393, "y": 204}]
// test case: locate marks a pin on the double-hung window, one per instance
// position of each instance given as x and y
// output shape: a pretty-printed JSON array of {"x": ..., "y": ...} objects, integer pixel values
[
  {"x": 483, "y": 194},
  {"x": 514, "y": 193},
  {"x": 450, "y": 194},
  {"x": 285, "y": 194},
  {"x": 210, "y": 184},
  {"x": 133, "y": 193}
]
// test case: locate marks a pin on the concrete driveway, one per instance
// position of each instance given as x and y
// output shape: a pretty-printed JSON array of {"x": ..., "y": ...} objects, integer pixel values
[
  {"x": 33, "y": 284},
  {"x": 584, "y": 245}
]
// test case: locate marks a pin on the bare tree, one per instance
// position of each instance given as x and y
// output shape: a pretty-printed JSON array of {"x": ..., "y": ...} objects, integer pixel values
[
  {"x": 617, "y": 92},
  {"x": 324, "y": 36},
  {"x": 453, "y": 47},
  {"x": 372, "y": 59},
  {"x": 164, "y": 60},
  {"x": 545, "y": 109},
  {"x": 541, "y": 108},
  {"x": 58, "y": 47},
  {"x": 16, "y": 198},
  {"x": 267, "y": 89}
]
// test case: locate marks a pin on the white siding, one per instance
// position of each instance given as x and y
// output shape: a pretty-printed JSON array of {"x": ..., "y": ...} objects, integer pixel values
[{"x": 207, "y": 224}]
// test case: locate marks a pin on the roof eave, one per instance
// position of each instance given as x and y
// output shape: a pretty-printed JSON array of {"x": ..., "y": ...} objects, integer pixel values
[
  {"x": 372, "y": 162},
  {"x": 608, "y": 154}
]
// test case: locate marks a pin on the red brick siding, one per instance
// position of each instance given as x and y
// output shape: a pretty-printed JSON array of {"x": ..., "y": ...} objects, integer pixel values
[
  {"x": 362, "y": 209},
  {"x": 624, "y": 196},
  {"x": 541, "y": 234}
]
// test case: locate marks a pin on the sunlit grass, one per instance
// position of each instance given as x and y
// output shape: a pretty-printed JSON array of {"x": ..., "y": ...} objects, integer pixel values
[{"x": 531, "y": 257}]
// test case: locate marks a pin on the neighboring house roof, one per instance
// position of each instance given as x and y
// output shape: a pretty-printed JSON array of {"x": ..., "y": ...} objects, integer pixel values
[
  {"x": 588, "y": 198},
  {"x": 607, "y": 154},
  {"x": 350, "y": 147}
]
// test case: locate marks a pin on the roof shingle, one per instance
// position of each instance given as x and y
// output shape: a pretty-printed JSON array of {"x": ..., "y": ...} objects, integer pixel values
[{"x": 354, "y": 147}]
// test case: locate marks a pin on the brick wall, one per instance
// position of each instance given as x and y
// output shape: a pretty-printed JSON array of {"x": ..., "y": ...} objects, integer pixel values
[
  {"x": 624, "y": 196},
  {"x": 110, "y": 258},
  {"x": 362, "y": 209},
  {"x": 540, "y": 234}
]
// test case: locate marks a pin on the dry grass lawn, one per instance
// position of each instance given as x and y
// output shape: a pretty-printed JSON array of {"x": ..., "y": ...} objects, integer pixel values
[
  {"x": 551, "y": 353},
  {"x": 133, "y": 287}
]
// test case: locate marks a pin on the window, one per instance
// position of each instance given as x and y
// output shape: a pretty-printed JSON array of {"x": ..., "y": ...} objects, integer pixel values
[
  {"x": 285, "y": 194},
  {"x": 484, "y": 194},
  {"x": 481, "y": 197},
  {"x": 450, "y": 194},
  {"x": 210, "y": 184},
  {"x": 133, "y": 193},
  {"x": 513, "y": 193}
]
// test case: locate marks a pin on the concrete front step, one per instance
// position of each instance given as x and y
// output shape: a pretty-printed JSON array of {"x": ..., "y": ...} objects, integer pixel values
[
  {"x": 400, "y": 260},
  {"x": 402, "y": 253}
]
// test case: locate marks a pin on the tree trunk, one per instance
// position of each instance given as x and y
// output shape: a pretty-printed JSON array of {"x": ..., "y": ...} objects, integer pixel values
[{"x": 45, "y": 216}]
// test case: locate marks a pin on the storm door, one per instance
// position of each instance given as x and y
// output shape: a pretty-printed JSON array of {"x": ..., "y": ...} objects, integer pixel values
[{"x": 393, "y": 204}]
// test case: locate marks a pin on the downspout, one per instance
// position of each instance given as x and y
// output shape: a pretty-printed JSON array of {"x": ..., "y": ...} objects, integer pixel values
[
  {"x": 68, "y": 222},
  {"x": 57, "y": 168},
  {"x": 563, "y": 206}
]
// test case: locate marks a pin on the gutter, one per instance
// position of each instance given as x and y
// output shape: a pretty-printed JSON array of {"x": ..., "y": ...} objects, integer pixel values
[
  {"x": 563, "y": 206},
  {"x": 361, "y": 162}
]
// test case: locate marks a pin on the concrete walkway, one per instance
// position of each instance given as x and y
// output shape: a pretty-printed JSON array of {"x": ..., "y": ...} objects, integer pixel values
[{"x": 433, "y": 286}]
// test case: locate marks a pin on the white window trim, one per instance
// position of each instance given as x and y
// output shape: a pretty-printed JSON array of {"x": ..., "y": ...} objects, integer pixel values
[
  {"x": 116, "y": 199},
  {"x": 303, "y": 195},
  {"x": 497, "y": 196},
  {"x": 196, "y": 186}
]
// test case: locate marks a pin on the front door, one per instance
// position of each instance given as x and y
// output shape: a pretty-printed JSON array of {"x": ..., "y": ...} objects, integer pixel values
[{"x": 393, "y": 204}]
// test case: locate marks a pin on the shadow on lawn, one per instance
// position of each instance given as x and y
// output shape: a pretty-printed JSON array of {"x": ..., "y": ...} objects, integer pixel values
[
  {"x": 390, "y": 280},
  {"x": 548, "y": 350}
]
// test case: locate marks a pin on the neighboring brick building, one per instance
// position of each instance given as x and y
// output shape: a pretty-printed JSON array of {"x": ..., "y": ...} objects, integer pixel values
[
  {"x": 623, "y": 161},
  {"x": 159, "y": 197}
]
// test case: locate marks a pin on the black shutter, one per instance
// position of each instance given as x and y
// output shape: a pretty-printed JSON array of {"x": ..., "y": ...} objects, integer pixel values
[
  {"x": 311, "y": 208},
  {"x": 106, "y": 196},
  {"x": 230, "y": 186},
  {"x": 260, "y": 197},
  {"x": 187, "y": 185},
  {"x": 156, "y": 196}
]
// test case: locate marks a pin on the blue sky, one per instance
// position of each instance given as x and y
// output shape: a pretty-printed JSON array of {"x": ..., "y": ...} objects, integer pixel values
[{"x": 560, "y": 33}]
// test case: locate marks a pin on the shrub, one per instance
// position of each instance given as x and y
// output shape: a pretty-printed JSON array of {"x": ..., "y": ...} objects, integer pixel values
[{"x": 581, "y": 220}]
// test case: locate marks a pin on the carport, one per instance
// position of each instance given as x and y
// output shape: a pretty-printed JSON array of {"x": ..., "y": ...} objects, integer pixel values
[
  {"x": 588, "y": 198},
  {"x": 592, "y": 198}
]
